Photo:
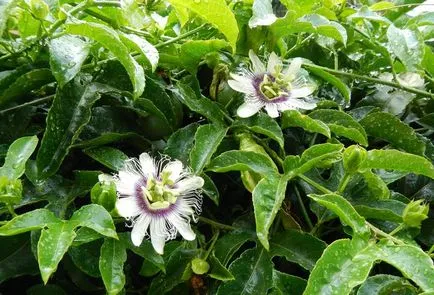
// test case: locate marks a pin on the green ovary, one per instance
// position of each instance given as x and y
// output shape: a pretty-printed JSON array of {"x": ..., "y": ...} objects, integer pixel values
[
  {"x": 158, "y": 193},
  {"x": 273, "y": 88}
]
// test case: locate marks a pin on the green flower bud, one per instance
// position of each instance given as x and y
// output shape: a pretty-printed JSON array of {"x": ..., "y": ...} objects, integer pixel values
[
  {"x": 353, "y": 158},
  {"x": 39, "y": 8},
  {"x": 11, "y": 190},
  {"x": 414, "y": 213},
  {"x": 199, "y": 266},
  {"x": 104, "y": 193}
]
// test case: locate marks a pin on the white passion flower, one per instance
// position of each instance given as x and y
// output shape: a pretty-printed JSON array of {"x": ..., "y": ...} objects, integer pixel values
[
  {"x": 159, "y": 197},
  {"x": 275, "y": 87}
]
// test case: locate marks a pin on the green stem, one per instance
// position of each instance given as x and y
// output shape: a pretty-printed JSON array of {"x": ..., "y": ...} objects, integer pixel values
[
  {"x": 303, "y": 208},
  {"x": 315, "y": 184},
  {"x": 431, "y": 250},
  {"x": 379, "y": 232},
  {"x": 106, "y": 3},
  {"x": 216, "y": 224},
  {"x": 11, "y": 210},
  {"x": 269, "y": 151},
  {"x": 401, "y": 6},
  {"x": 343, "y": 183},
  {"x": 33, "y": 102},
  {"x": 180, "y": 37},
  {"x": 370, "y": 79},
  {"x": 397, "y": 229},
  {"x": 211, "y": 247}
]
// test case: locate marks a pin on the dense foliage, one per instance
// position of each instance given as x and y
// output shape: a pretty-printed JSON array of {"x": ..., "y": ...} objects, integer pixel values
[{"x": 330, "y": 194}]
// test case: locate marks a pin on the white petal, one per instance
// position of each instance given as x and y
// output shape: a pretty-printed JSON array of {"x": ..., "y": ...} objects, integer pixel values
[
  {"x": 302, "y": 91},
  {"x": 126, "y": 184},
  {"x": 189, "y": 184},
  {"x": 241, "y": 84},
  {"x": 248, "y": 109},
  {"x": 300, "y": 104},
  {"x": 139, "y": 229},
  {"x": 128, "y": 207},
  {"x": 273, "y": 62},
  {"x": 175, "y": 170},
  {"x": 258, "y": 66},
  {"x": 183, "y": 227},
  {"x": 272, "y": 111},
  {"x": 148, "y": 164},
  {"x": 158, "y": 237},
  {"x": 294, "y": 67}
]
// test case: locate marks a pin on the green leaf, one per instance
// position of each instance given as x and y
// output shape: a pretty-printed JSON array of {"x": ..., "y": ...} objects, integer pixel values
[
  {"x": 27, "y": 82},
  {"x": 396, "y": 160},
  {"x": 36, "y": 219},
  {"x": 146, "y": 49},
  {"x": 262, "y": 124},
  {"x": 230, "y": 243},
  {"x": 341, "y": 124},
  {"x": 210, "y": 189},
  {"x": 147, "y": 107},
  {"x": 333, "y": 80},
  {"x": 315, "y": 23},
  {"x": 288, "y": 284},
  {"x": 293, "y": 118},
  {"x": 367, "y": 13},
  {"x": 407, "y": 45},
  {"x": 343, "y": 265},
  {"x": 86, "y": 257},
  {"x": 262, "y": 14},
  {"x": 218, "y": 271},
  {"x": 268, "y": 196},
  {"x": 108, "y": 156},
  {"x": 70, "y": 111},
  {"x": 215, "y": 12},
  {"x": 180, "y": 143},
  {"x": 17, "y": 155},
  {"x": 299, "y": 247},
  {"x": 67, "y": 54},
  {"x": 252, "y": 272},
  {"x": 85, "y": 235},
  {"x": 111, "y": 265},
  {"x": 94, "y": 217},
  {"x": 390, "y": 210},
  {"x": 386, "y": 284},
  {"x": 242, "y": 161},
  {"x": 388, "y": 127},
  {"x": 206, "y": 141},
  {"x": 412, "y": 261},
  {"x": 108, "y": 38},
  {"x": 346, "y": 212},
  {"x": 201, "y": 105},
  {"x": 53, "y": 244},
  {"x": 193, "y": 51}
]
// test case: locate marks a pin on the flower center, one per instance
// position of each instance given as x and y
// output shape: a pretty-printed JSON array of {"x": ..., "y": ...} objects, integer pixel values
[
  {"x": 273, "y": 87},
  {"x": 159, "y": 193}
]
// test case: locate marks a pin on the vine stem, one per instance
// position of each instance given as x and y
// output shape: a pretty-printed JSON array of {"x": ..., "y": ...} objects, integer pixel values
[
  {"x": 180, "y": 37},
  {"x": 379, "y": 232},
  {"x": 370, "y": 79},
  {"x": 343, "y": 183},
  {"x": 315, "y": 184},
  {"x": 211, "y": 247},
  {"x": 33, "y": 102},
  {"x": 303, "y": 208},
  {"x": 216, "y": 224}
]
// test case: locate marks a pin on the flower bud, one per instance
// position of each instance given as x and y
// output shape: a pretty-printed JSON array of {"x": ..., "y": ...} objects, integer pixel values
[
  {"x": 104, "y": 193},
  {"x": 39, "y": 8},
  {"x": 10, "y": 190},
  {"x": 414, "y": 213},
  {"x": 353, "y": 158},
  {"x": 199, "y": 266}
]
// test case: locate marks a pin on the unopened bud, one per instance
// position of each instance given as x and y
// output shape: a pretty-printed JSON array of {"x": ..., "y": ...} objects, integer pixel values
[
  {"x": 414, "y": 213},
  {"x": 353, "y": 158},
  {"x": 10, "y": 190},
  {"x": 199, "y": 266}
]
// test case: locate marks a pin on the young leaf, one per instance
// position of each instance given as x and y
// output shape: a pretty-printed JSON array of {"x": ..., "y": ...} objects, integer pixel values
[
  {"x": 262, "y": 14},
  {"x": 242, "y": 161},
  {"x": 108, "y": 38},
  {"x": 146, "y": 49},
  {"x": 53, "y": 244},
  {"x": 345, "y": 211},
  {"x": 341, "y": 124},
  {"x": 298, "y": 247},
  {"x": 108, "y": 156},
  {"x": 268, "y": 196},
  {"x": 294, "y": 118},
  {"x": 315, "y": 23},
  {"x": 396, "y": 160},
  {"x": 111, "y": 265},
  {"x": 70, "y": 111},
  {"x": 215, "y": 12},
  {"x": 386, "y": 284},
  {"x": 252, "y": 272},
  {"x": 67, "y": 54},
  {"x": 17, "y": 155},
  {"x": 263, "y": 124},
  {"x": 206, "y": 141},
  {"x": 343, "y": 265},
  {"x": 218, "y": 271},
  {"x": 36, "y": 219},
  {"x": 388, "y": 127},
  {"x": 95, "y": 217}
]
